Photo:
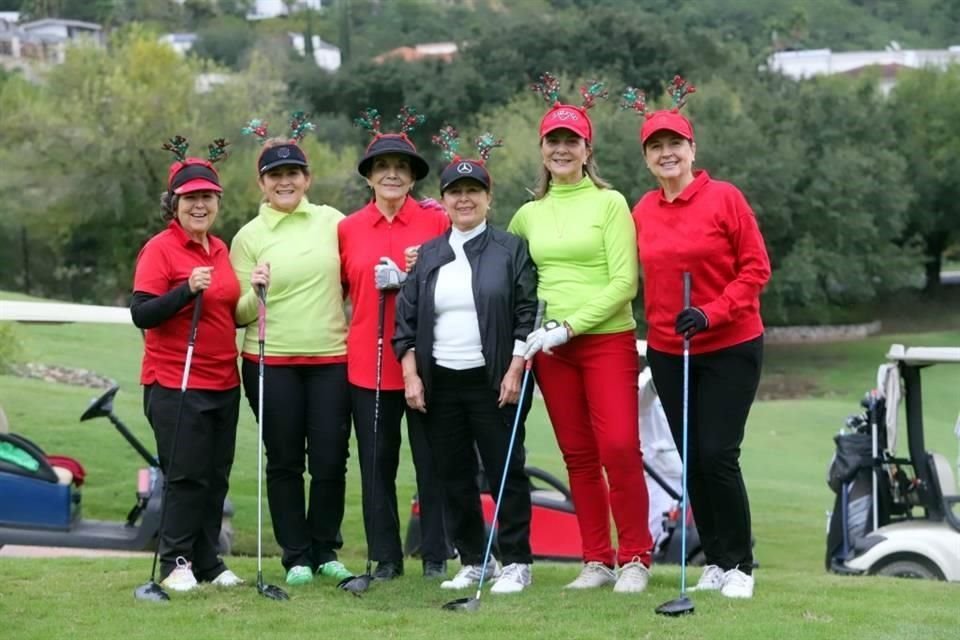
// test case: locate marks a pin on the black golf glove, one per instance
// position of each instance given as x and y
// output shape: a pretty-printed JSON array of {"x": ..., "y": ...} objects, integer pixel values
[{"x": 691, "y": 321}]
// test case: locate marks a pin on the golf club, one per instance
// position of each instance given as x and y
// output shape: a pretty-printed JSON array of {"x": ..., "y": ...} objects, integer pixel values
[
  {"x": 473, "y": 604},
  {"x": 358, "y": 584},
  {"x": 683, "y": 605},
  {"x": 270, "y": 591},
  {"x": 151, "y": 591}
]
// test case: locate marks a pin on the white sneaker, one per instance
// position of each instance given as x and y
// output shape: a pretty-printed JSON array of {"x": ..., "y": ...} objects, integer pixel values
[
  {"x": 181, "y": 578},
  {"x": 710, "y": 580},
  {"x": 633, "y": 577},
  {"x": 227, "y": 579},
  {"x": 737, "y": 584},
  {"x": 513, "y": 579},
  {"x": 594, "y": 574},
  {"x": 469, "y": 575}
]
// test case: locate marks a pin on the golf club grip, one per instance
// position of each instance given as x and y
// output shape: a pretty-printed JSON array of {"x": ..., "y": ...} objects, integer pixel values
[
  {"x": 261, "y": 314},
  {"x": 687, "y": 286},
  {"x": 197, "y": 305},
  {"x": 541, "y": 312}
]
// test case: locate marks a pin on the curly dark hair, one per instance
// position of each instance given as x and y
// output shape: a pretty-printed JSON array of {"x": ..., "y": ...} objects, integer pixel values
[{"x": 168, "y": 204}]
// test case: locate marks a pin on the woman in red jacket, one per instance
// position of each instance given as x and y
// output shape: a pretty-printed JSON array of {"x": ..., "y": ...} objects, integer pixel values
[{"x": 706, "y": 227}]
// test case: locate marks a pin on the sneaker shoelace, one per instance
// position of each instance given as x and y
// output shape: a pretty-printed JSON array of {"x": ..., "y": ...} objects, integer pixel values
[
  {"x": 738, "y": 578},
  {"x": 512, "y": 572}
]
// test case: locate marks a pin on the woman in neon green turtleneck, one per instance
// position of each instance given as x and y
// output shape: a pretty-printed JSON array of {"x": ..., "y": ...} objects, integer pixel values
[{"x": 583, "y": 242}]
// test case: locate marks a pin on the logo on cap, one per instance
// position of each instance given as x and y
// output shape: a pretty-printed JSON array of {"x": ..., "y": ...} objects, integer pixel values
[
  {"x": 464, "y": 167},
  {"x": 566, "y": 114},
  {"x": 283, "y": 152}
]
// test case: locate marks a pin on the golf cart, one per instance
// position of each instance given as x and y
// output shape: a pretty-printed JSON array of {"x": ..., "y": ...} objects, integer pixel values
[
  {"x": 40, "y": 501},
  {"x": 894, "y": 516}
]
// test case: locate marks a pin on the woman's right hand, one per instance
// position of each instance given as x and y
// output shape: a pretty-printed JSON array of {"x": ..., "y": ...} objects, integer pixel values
[
  {"x": 413, "y": 392},
  {"x": 410, "y": 255},
  {"x": 200, "y": 279},
  {"x": 260, "y": 276}
]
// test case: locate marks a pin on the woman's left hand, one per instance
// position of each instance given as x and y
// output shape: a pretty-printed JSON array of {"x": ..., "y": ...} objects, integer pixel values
[{"x": 510, "y": 385}]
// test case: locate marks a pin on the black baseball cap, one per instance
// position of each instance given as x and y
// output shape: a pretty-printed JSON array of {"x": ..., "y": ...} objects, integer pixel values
[
  {"x": 464, "y": 170},
  {"x": 393, "y": 143},
  {"x": 280, "y": 155}
]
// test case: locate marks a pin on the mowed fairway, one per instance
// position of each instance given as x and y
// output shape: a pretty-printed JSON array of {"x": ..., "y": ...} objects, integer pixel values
[{"x": 785, "y": 457}]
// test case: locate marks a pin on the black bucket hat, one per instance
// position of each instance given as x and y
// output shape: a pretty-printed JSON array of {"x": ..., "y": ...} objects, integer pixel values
[{"x": 396, "y": 143}]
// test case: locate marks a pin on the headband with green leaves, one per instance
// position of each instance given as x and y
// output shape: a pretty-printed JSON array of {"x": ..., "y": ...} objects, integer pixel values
[
  {"x": 299, "y": 126},
  {"x": 178, "y": 146}
]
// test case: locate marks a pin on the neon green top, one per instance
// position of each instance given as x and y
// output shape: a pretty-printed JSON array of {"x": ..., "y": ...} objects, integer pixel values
[
  {"x": 305, "y": 299},
  {"x": 584, "y": 244}
]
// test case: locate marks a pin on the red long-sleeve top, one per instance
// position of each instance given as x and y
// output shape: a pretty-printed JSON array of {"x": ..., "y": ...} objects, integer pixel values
[{"x": 710, "y": 231}]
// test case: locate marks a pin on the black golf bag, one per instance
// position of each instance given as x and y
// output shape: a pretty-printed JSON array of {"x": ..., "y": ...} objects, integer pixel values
[{"x": 849, "y": 476}]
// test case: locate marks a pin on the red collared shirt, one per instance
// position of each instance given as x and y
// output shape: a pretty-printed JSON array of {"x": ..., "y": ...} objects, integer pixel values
[
  {"x": 710, "y": 231},
  {"x": 165, "y": 263},
  {"x": 365, "y": 236}
]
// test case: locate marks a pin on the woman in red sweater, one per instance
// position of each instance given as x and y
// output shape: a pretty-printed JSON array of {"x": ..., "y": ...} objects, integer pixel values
[{"x": 704, "y": 226}]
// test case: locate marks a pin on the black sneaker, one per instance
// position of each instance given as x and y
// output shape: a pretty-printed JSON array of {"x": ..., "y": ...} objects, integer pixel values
[
  {"x": 434, "y": 569},
  {"x": 388, "y": 571}
]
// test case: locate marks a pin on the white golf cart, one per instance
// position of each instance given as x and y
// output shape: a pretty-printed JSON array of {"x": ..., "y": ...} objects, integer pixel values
[{"x": 897, "y": 516}]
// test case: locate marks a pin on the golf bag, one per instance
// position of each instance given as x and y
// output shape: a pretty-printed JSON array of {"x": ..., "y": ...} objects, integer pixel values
[{"x": 849, "y": 476}]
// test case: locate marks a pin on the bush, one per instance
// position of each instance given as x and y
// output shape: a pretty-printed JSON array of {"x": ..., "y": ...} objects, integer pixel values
[{"x": 10, "y": 348}]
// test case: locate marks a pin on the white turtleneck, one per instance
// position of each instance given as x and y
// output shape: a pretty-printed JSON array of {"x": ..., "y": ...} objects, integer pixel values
[{"x": 456, "y": 330}]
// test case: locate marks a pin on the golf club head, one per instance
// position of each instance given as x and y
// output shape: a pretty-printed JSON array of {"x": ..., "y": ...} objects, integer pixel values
[
  {"x": 150, "y": 592},
  {"x": 356, "y": 584},
  {"x": 462, "y": 604},
  {"x": 272, "y": 592},
  {"x": 677, "y": 607}
]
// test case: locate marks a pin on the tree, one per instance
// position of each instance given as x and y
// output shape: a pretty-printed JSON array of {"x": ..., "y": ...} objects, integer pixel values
[
  {"x": 926, "y": 104},
  {"x": 84, "y": 149},
  {"x": 225, "y": 40}
]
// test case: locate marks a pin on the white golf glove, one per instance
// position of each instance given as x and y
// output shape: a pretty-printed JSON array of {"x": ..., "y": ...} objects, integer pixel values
[
  {"x": 552, "y": 334},
  {"x": 388, "y": 276}
]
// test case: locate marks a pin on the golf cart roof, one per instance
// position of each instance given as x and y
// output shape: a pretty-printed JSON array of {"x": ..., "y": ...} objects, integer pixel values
[{"x": 923, "y": 355}]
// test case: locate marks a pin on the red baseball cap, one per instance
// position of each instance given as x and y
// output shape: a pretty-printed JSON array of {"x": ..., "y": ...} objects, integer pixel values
[
  {"x": 666, "y": 120},
  {"x": 566, "y": 116},
  {"x": 193, "y": 174}
]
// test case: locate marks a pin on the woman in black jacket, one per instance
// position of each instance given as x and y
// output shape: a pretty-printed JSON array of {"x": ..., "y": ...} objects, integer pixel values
[{"x": 462, "y": 317}]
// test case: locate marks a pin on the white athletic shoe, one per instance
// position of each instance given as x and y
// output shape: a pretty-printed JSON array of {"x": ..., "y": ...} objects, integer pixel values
[
  {"x": 710, "y": 580},
  {"x": 469, "y": 575},
  {"x": 181, "y": 578},
  {"x": 633, "y": 577},
  {"x": 513, "y": 579},
  {"x": 737, "y": 584},
  {"x": 227, "y": 579},
  {"x": 594, "y": 574}
]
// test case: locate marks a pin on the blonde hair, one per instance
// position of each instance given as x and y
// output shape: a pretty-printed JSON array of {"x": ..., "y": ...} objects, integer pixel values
[{"x": 590, "y": 168}]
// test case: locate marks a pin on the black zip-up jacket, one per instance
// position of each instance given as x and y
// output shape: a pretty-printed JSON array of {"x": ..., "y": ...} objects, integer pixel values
[{"x": 504, "y": 291}]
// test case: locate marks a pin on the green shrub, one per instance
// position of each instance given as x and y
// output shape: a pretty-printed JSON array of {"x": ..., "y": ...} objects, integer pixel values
[{"x": 10, "y": 348}]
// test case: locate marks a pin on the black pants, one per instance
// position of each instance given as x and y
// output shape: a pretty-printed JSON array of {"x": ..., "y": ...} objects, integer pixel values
[
  {"x": 197, "y": 474},
  {"x": 306, "y": 409},
  {"x": 463, "y": 413},
  {"x": 380, "y": 515},
  {"x": 723, "y": 384}
]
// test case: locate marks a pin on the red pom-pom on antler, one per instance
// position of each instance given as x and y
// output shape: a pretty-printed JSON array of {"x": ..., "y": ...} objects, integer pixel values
[
  {"x": 548, "y": 87},
  {"x": 409, "y": 119},
  {"x": 591, "y": 91},
  {"x": 370, "y": 121},
  {"x": 448, "y": 139},
  {"x": 679, "y": 90},
  {"x": 634, "y": 99}
]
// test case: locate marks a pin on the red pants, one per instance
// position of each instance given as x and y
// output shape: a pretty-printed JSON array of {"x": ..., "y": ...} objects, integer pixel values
[{"x": 590, "y": 389}]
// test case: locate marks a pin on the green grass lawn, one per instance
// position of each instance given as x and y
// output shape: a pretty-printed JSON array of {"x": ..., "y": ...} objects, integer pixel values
[{"x": 785, "y": 457}]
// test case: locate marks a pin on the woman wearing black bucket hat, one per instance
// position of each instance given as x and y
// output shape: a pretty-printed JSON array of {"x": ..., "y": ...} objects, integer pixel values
[
  {"x": 372, "y": 243},
  {"x": 462, "y": 318},
  {"x": 193, "y": 415},
  {"x": 290, "y": 250}
]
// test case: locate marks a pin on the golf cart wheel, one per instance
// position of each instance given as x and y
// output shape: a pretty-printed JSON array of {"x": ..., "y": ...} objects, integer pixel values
[
  {"x": 915, "y": 568},
  {"x": 225, "y": 543}
]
